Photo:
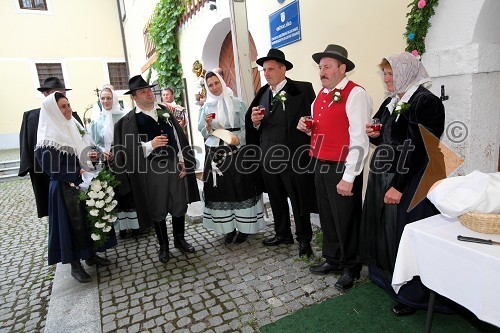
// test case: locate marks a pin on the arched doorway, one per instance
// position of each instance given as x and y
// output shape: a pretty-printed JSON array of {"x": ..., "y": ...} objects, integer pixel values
[{"x": 226, "y": 62}]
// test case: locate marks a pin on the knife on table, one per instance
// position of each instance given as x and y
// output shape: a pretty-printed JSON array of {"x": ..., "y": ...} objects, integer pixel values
[{"x": 477, "y": 240}]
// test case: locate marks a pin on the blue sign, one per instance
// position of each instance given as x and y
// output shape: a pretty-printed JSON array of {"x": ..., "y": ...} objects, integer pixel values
[{"x": 284, "y": 25}]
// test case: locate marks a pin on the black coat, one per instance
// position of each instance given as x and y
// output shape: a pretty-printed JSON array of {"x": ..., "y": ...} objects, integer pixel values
[
  {"x": 28, "y": 164},
  {"x": 300, "y": 96},
  {"x": 129, "y": 160}
]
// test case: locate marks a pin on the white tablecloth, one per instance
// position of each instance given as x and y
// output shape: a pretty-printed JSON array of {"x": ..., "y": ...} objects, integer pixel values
[{"x": 467, "y": 273}]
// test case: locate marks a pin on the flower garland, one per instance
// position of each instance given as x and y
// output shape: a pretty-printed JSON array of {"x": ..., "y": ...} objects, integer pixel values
[
  {"x": 101, "y": 212},
  {"x": 280, "y": 97},
  {"x": 418, "y": 24}
]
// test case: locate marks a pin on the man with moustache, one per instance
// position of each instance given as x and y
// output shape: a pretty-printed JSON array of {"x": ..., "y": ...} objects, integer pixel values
[
  {"x": 154, "y": 160},
  {"x": 339, "y": 145},
  {"x": 27, "y": 142},
  {"x": 284, "y": 150}
]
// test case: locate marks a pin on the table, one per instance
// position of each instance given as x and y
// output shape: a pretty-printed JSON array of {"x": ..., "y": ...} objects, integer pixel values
[{"x": 467, "y": 273}]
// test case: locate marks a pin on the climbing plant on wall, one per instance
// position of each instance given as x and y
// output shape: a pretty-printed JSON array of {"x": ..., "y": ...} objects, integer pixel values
[
  {"x": 419, "y": 16},
  {"x": 163, "y": 32}
]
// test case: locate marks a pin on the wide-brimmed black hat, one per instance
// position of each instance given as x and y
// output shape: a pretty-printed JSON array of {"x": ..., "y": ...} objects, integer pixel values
[
  {"x": 52, "y": 83},
  {"x": 137, "y": 82},
  {"x": 335, "y": 52},
  {"x": 275, "y": 54}
]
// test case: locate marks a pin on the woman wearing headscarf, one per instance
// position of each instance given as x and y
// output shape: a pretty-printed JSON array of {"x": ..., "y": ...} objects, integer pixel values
[
  {"x": 412, "y": 121},
  {"x": 101, "y": 132},
  {"x": 62, "y": 149},
  {"x": 232, "y": 201}
]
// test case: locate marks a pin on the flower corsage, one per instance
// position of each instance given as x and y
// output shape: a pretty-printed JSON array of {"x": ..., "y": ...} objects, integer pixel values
[
  {"x": 280, "y": 97},
  {"x": 100, "y": 205},
  {"x": 400, "y": 108},
  {"x": 163, "y": 116},
  {"x": 336, "y": 97}
]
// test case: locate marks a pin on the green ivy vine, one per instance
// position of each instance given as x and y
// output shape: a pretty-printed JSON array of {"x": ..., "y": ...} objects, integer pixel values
[
  {"x": 419, "y": 17},
  {"x": 163, "y": 32}
]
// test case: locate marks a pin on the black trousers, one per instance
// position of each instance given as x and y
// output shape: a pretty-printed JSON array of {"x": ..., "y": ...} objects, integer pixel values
[
  {"x": 280, "y": 187},
  {"x": 339, "y": 216}
]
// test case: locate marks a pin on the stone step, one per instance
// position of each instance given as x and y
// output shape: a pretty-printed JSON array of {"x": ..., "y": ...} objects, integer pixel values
[
  {"x": 6, "y": 178},
  {"x": 9, "y": 164},
  {"x": 9, "y": 171}
]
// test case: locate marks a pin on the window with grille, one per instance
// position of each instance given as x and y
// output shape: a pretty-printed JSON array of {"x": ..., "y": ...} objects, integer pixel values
[
  {"x": 46, "y": 70},
  {"x": 33, "y": 4},
  {"x": 118, "y": 75}
]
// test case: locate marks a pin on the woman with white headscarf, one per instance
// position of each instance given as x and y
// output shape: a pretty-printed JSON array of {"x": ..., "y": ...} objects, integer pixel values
[
  {"x": 231, "y": 200},
  {"x": 62, "y": 149},
  {"x": 101, "y": 130},
  {"x": 412, "y": 121}
]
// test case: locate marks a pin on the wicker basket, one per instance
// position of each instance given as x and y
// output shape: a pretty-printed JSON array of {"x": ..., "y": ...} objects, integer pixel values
[{"x": 480, "y": 222}]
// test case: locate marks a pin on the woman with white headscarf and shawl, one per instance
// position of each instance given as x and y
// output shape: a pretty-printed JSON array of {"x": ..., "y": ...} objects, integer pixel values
[
  {"x": 232, "y": 203},
  {"x": 101, "y": 130},
  {"x": 412, "y": 121},
  {"x": 62, "y": 149}
]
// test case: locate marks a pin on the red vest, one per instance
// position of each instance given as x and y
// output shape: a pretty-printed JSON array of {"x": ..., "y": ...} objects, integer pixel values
[{"x": 330, "y": 134}]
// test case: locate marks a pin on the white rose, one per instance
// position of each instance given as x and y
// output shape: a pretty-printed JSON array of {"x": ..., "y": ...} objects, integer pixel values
[
  {"x": 105, "y": 217},
  {"x": 107, "y": 229},
  {"x": 112, "y": 219},
  {"x": 107, "y": 209},
  {"x": 90, "y": 203},
  {"x": 108, "y": 199},
  {"x": 99, "y": 204},
  {"x": 100, "y": 225},
  {"x": 104, "y": 184},
  {"x": 101, "y": 195},
  {"x": 95, "y": 237},
  {"x": 94, "y": 212},
  {"x": 110, "y": 190},
  {"x": 92, "y": 195}
]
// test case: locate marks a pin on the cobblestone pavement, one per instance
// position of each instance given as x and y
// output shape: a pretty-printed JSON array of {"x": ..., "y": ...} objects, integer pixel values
[
  {"x": 26, "y": 279},
  {"x": 234, "y": 288}
]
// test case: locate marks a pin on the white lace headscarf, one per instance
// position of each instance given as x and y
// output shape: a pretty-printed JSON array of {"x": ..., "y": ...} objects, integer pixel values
[
  {"x": 54, "y": 130},
  {"x": 219, "y": 101},
  {"x": 109, "y": 126},
  {"x": 408, "y": 74}
]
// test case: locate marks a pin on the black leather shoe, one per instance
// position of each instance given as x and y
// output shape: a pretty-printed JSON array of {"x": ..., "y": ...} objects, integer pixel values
[
  {"x": 230, "y": 237},
  {"x": 346, "y": 281},
  {"x": 79, "y": 273},
  {"x": 163, "y": 254},
  {"x": 96, "y": 260},
  {"x": 276, "y": 240},
  {"x": 401, "y": 309},
  {"x": 122, "y": 234},
  {"x": 325, "y": 268},
  {"x": 241, "y": 237},
  {"x": 184, "y": 246},
  {"x": 305, "y": 249}
]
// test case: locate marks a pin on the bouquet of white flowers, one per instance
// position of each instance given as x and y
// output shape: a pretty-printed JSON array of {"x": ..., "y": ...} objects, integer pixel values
[{"x": 101, "y": 206}]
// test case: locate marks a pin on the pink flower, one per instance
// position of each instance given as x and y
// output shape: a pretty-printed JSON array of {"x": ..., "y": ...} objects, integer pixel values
[
  {"x": 421, "y": 4},
  {"x": 415, "y": 53}
]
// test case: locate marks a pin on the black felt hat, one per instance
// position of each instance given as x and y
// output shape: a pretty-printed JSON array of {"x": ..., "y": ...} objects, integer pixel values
[
  {"x": 52, "y": 83},
  {"x": 275, "y": 54},
  {"x": 137, "y": 82},
  {"x": 336, "y": 52}
]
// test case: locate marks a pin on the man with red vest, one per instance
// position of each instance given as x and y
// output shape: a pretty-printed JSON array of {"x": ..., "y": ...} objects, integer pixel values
[{"x": 339, "y": 146}]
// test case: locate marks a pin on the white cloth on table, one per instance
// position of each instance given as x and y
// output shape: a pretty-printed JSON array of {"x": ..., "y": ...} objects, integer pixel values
[
  {"x": 475, "y": 192},
  {"x": 467, "y": 273}
]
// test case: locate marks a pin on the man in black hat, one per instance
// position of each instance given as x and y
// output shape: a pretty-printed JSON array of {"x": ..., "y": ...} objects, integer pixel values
[
  {"x": 284, "y": 163},
  {"x": 27, "y": 142},
  {"x": 153, "y": 159},
  {"x": 339, "y": 146}
]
